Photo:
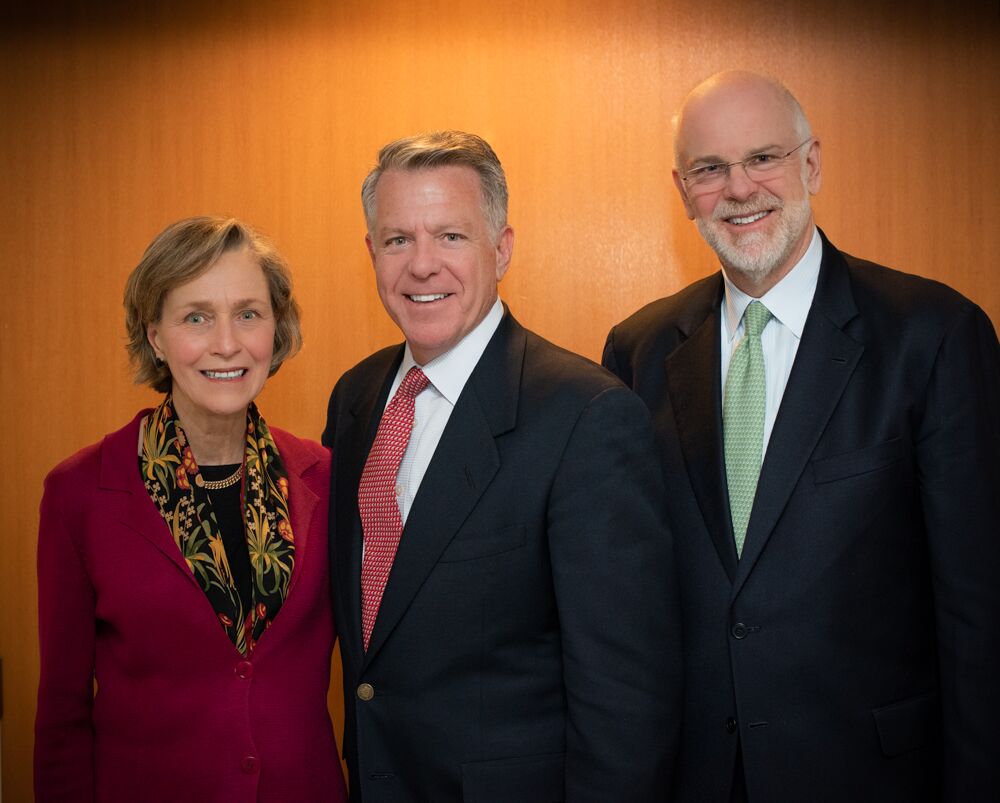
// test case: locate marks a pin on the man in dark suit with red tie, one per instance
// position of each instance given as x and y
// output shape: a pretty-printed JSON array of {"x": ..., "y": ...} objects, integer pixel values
[
  {"x": 502, "y": 571},
  {"x": 830, "y": 440}
]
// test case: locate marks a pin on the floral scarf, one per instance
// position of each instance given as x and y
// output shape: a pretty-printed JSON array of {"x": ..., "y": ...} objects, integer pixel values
[{"x": 175, "y": 485}]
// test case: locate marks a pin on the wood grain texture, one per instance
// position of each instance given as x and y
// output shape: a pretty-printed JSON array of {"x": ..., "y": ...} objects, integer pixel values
[{"x": 119, "y": 119}]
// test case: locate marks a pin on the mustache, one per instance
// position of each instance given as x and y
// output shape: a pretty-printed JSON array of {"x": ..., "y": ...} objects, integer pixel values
[{"x": 759, "y": 203}]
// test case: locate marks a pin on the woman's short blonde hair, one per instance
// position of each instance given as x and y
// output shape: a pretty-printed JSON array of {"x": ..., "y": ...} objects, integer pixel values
[{"x": 182, "y": 252}]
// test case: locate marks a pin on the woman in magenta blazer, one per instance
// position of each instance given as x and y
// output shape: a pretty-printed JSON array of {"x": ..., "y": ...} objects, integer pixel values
[{"x": 184, "y": 612}]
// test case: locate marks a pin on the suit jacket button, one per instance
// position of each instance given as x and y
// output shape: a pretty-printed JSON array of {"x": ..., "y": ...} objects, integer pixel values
[
  {"x": 244, "y": 670},
  {"x": 249, "y": 765},
  {"x": 739, "y": 630},
  {"x": 366, "y": 691},
  {"x": 730, "y": 725}
]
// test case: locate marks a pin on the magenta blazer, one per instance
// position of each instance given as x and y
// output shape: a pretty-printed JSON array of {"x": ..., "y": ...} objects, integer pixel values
[{"x": 178, "y": 713}]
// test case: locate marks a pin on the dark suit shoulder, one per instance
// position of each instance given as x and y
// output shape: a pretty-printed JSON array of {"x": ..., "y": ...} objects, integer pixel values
[
  {"x": 363, "y": 379},
  {"x": 683, "y": 311},
  {"x": 372, "y": 369},
  {"x": 911, "y": 315},
  {"x": 562, "y": 374},
  {"x": 647, "y": 336},
  {"x": 904, "y": 297}
]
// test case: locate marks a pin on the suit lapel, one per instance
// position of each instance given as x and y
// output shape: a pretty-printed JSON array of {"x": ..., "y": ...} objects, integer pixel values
[
  {"x": 351, "y": 449},
  {"x": 824, "y": 363},
  {"x": 463, "y": 465},
  {"x": 693, "y": 381}
]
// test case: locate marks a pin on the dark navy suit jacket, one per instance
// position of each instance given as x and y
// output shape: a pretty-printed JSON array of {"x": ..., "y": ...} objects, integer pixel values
[
  {"x": 853, "y": 649},
  {"x": 526, "y": 648}
]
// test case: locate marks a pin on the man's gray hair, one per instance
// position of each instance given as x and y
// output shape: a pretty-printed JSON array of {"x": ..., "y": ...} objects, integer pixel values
[{"x": 440, "y": 149}]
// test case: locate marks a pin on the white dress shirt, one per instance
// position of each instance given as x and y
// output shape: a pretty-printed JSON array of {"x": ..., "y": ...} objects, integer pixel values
[
  {"x": 448, "y": 374},
  {"x": 789, "y": 302}
]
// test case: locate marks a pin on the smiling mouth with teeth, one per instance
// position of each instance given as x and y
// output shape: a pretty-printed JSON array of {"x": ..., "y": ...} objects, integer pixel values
[
  {"x": 425, "y": 299},
  {"x": 236, "y": 373},
  {"x": 744, "y": 221}
]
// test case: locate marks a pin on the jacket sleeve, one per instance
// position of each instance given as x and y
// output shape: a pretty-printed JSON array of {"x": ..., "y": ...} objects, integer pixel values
[
  {"x": 609, "y": 359},
  {"x": 613, "y": 571},
  {"x": 64, "y": 738},
  {"x": 957, "y": 450}
]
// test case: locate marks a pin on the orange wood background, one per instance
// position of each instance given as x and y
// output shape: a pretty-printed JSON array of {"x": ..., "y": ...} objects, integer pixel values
[{"x": 118, "y": 118}]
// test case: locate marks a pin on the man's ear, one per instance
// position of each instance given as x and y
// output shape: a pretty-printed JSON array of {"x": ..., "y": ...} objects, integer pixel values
[
  {"x": 505, "y": 250},
  {"x": 371, "y": 248},
  {"x": 813, "y": 168},
  {"x": 682, "y": 191}
]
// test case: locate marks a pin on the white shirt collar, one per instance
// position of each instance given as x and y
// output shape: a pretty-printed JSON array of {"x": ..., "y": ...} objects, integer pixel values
[
  {"x": 788, "y": 301},
  {"x": 449, "y": 372}
]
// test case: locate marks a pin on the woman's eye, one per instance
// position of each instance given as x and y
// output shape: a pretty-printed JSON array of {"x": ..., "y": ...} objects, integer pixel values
[
  {"x": 195, "y": 317},
  {"x": 248, "y": 315}
]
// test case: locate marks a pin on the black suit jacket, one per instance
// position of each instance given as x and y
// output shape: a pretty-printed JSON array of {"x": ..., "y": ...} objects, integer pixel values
[
  {"x": 526, "y": 648},
  {"x": 854, "y": 649}
]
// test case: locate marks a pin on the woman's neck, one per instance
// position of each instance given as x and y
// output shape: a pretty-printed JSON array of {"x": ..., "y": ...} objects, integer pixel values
[{"x": 215, "y": 439}]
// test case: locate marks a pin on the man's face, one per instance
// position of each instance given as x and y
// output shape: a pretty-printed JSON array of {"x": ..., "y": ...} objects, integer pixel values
[
  {"x": 761, "y": 228},
  {"x": 437, "y": 262}
]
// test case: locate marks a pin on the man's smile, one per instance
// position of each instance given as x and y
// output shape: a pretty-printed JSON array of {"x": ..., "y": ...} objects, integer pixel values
[
  {"x": 427, "y": 298},
  {"x": 748, "y": 219}
]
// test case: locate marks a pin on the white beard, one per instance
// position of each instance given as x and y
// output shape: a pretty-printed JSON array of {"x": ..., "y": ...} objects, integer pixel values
[{"x": 756, "y": 254}]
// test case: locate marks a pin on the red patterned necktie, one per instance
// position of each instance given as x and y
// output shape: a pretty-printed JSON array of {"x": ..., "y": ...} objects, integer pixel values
[{"x": 381, "y": 522}]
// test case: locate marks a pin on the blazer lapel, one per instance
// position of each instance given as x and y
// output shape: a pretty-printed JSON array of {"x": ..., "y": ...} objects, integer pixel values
[
  {"x": 825, "y": 361},
  {"x": 120, "y": 472},
  {"x": 463, "y": 465},
  {"x": 350, "y": 453},
  {"x": 693, "y": 381},
  {"x": 302, "y": 506}
]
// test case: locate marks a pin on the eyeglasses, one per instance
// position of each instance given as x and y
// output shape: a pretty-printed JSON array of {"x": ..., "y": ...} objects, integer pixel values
[{"x": 760, "y": 166}]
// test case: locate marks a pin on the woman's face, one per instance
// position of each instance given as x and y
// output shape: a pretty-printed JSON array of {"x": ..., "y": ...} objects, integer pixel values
[{"x": 216, "y": 335}]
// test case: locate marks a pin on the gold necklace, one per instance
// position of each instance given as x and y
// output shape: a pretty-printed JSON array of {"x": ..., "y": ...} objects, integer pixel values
[{"x": 218, "y": 485}]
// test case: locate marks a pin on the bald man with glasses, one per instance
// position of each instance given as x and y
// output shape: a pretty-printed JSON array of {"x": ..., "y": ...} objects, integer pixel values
[{"x": 829, "y": 434}]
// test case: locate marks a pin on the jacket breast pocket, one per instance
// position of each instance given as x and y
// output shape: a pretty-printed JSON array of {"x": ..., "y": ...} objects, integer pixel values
[
  {"x": 526, "y": 779},
  {"x": 908, "y": 724},
  {"x": 478, "y": 544},
  {"x": 860, "y": 461}
]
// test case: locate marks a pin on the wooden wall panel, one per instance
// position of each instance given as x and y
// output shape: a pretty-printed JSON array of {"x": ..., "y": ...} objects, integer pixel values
[{"x": 118, "y": 120}]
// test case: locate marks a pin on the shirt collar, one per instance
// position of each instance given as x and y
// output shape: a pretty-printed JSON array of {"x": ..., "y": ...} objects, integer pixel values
[
  {"x": 788, "y": 301},
  {"x": 449, "y": 372}
]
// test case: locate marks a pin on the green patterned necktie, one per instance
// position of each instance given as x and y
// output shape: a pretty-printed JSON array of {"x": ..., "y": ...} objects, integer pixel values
[{"x": 743, "y": 419}]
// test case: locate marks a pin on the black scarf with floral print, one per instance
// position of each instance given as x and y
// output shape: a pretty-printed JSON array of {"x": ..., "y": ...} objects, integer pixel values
[{"x": 176, "y": 487}]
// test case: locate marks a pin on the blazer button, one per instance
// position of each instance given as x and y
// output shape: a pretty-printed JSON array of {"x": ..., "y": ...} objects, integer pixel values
[
  {"x": 730, "y": 725},
  {"x": 739, "y": 630},
  {"x": 244, "y": 670},
  {"x": 366, "y": 691},
  {"x": 249, "y": 765}
]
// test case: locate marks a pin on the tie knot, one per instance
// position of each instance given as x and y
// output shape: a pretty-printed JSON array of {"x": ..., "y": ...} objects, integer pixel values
[
  {"x": 755, "y": 319},
  {"x": 413, "y": 383}
]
